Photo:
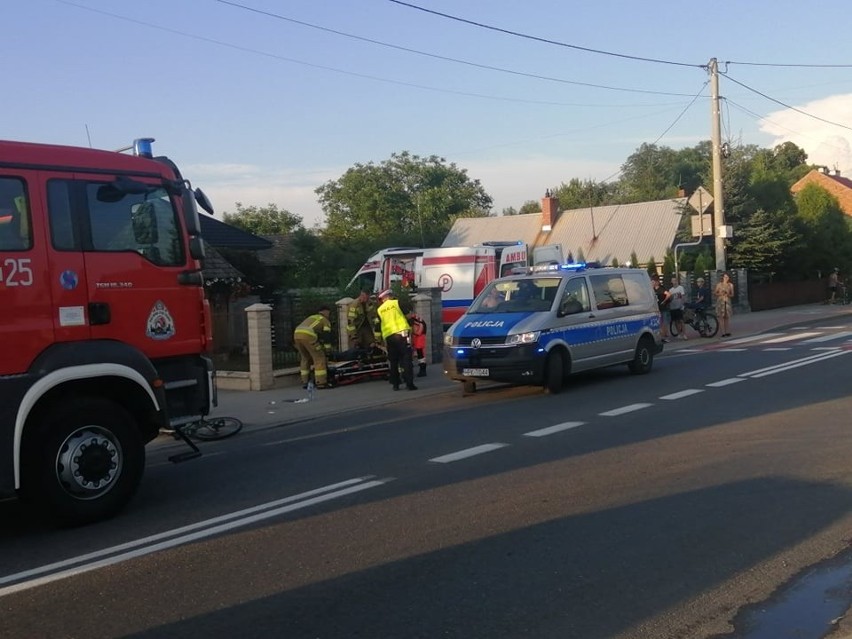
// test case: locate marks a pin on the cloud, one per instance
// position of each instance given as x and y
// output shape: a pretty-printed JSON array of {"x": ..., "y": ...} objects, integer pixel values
[
  {"x": 253, "y": 185},
  {"x": 826, "y": 144}
]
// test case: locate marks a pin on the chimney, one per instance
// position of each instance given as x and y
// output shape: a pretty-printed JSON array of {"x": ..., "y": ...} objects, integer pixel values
[
  {"x": 837, "y": 172},
  {"x": 549, "y": 211}
]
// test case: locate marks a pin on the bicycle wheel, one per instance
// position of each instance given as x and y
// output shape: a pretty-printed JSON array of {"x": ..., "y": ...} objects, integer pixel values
[
  {"x": 709, "y": 325},
  {"x": 673, "y": 328},
  {"x": 217, "y": 428}
]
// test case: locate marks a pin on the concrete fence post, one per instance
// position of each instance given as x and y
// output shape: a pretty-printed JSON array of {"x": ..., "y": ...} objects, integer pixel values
[
  {"x": 259, "y": 319},
  {"x": 422, "y": 302},
  {"x": 343, "y": 305}
]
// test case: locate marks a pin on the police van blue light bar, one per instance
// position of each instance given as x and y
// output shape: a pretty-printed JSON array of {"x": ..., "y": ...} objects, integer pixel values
[{"x": 573, "y": 266}]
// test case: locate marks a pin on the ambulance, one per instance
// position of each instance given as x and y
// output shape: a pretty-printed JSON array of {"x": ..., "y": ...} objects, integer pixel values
[
  {"x": 460, "y": 272},
  {"x": 541, "y": 327},
  {"x": 105, "y": 327}
]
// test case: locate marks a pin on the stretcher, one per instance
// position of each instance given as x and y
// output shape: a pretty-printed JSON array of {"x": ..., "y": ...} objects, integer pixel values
[{"x": 358, "y": 365}]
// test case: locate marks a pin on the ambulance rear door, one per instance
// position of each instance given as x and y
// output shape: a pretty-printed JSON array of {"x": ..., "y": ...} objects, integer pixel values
[{"x": 513, "y": 259}]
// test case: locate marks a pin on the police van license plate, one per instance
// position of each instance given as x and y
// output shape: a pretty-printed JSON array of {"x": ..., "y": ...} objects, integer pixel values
[{"x": 475, "y": 372}]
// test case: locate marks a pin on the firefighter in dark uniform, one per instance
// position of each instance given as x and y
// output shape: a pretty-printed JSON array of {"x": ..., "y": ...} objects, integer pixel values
[{"x": 362, "y": 322}]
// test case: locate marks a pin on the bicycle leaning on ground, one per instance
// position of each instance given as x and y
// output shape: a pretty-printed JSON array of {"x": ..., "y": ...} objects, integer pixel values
[
  {"x": 202, "y": 429},
  {"x": 703, "y": 321}
]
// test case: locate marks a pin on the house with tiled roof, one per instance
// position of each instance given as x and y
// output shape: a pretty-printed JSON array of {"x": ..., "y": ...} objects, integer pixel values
[
  {"x": 598, "y": 233},
  {"x": 840, "y": 187}
]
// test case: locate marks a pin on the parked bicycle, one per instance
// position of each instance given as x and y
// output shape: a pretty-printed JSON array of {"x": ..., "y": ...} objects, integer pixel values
[
  {"x": 702, "y": 321},
  {"x": 202, "y": 429}
]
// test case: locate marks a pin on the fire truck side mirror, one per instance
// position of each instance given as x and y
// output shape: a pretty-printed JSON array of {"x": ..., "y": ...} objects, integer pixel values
[
  {"x": 203, "y": 201},
  {"x": 196, "y": 248}
]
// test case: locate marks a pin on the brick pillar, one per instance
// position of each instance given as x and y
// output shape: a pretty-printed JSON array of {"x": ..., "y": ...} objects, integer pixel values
[{"x": 259, "y": 319}]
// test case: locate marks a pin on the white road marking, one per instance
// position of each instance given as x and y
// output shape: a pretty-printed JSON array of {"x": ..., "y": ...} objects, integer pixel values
[
  {"x": 788, "y": 338},
  {"x": 828, "y": 338},
  {"x": 183, "y": 535},
  {"x": 796, "y": 363},
  {"x": 825, "y": 348},
  {"x": 726, "y": 382},
  {"x": 467, "y": 452},
  {"x": 615, "y": 412},
  {"x": 778, "y": 349},
  {"x": 731, "y": 350},
  {"x": 550, "y": 430},
  {"x": 683, "y": 393},
  {"x": 750, "y": 338}
]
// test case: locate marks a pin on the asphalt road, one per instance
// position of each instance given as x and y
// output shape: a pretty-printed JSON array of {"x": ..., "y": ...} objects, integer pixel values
[{"x": 652, "y": 506}]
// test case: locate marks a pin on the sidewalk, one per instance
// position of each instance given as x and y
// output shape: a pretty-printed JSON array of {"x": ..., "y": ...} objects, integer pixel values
[{"x": 266, "y": 409}]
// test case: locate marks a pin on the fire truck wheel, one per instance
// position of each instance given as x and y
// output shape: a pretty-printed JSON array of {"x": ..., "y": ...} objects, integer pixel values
[{"x": 85, "y": 462}]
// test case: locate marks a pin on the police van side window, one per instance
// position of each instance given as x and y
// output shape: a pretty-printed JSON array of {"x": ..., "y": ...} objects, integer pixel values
[
  {"x": 610, "y": 291},
  {"x": 15, "y": 227},
  {"x": 144, "y": 223},
  {"x": 575, "y": 298}
]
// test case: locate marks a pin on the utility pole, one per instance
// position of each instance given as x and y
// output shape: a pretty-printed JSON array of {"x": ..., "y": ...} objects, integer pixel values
[{"x": 721, "y": 230}]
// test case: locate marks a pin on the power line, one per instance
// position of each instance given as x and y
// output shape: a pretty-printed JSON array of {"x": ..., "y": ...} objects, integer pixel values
[
  {"x": 545, "y": 40},
  {"x": 762, "y": 118},
  {"x": 274, "y": 56},
  {"x": 682, "y": 113},
  {"x": 436, "y": 56},
  {"x": 785, "y": 105},
  {"x": 791, "y": 65}
]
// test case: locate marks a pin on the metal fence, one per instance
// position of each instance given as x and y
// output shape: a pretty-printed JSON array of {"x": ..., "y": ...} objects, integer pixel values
[{"x": 230, "y": 327}]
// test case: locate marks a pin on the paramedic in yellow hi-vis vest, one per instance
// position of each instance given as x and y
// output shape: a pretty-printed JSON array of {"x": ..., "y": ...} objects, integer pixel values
[
  {"x": 309, "y": 337},
  {"x": 397, "y": 335}
]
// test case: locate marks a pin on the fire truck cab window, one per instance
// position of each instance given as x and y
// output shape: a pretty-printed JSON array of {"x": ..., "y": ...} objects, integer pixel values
[
  {"x": 15, "y": 233},
  {"x": 144, "y": 223}
]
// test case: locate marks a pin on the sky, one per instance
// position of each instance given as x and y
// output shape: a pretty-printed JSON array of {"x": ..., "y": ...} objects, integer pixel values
[{"x": 263, "y": 101}]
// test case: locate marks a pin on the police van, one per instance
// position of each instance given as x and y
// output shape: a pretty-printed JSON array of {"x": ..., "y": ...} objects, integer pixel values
[{"x": 538, "y": 328}]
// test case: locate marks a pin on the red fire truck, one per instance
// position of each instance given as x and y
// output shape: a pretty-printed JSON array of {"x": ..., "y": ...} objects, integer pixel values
[{"x": 105, "y": 326}]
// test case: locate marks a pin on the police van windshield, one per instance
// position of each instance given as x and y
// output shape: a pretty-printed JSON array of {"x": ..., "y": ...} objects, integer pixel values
[{"x": 517, "y": 296}]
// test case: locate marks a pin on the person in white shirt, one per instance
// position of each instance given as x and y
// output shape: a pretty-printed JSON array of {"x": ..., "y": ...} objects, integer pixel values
[{"x": 678, "y": 299}]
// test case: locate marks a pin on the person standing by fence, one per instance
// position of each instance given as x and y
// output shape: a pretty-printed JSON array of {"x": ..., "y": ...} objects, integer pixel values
[
  {"x": 418, "y": 341},
  {"x": 724, "y": 295},
  {"x": 310, "y": 338}
]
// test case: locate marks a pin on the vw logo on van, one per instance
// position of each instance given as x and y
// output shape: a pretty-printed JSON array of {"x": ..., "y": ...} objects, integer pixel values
[{"x": 476, "y": 342}]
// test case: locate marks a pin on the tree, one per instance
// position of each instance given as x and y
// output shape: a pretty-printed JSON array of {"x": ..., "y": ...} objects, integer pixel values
[
  {"x": 509, "y": 210},
  {"x": 651, "y": 267},
  {"x": 406, "y": 200},
  {"x": 530, "y": 206},
  {"x": 634, "y": 259},
  {"x": 764, "y": 243},
  {"x": 649, "y": 174},
  {"x": 825, "y": 230},
  {"x": 581, "y": 194},
  {"x": 268, "y": 220}
]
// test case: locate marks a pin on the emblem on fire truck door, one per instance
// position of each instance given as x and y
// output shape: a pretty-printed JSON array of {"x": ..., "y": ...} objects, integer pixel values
[{"x": 160, "y": 324}]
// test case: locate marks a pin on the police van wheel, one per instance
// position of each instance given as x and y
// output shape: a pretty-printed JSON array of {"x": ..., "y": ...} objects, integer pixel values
[
  {"x": 84, "y": 463},
  {"x": 468, "y": 388},
  {"x": 555, "y": 373},
  {"x": 643, "y": 360}
]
